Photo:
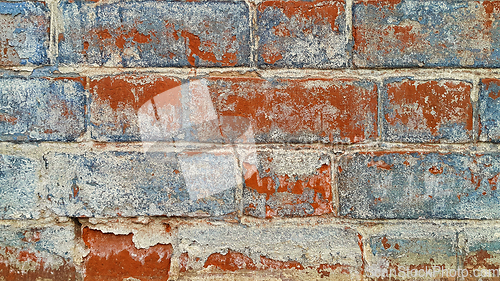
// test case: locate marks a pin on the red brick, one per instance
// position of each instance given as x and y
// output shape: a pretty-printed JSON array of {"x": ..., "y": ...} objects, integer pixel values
[
  {"x": 300, "y": 110},
  {"x": 427, "y": 111},
  {"x": 117, "y": 99},
  {"x": 115, "y": 257}
]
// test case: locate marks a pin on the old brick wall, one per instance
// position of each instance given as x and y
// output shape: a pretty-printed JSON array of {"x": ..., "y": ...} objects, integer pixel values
[{"x": 249, "y": 140}]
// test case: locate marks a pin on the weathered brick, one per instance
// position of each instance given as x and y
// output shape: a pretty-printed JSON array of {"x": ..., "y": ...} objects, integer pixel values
[
  {"x": 37, "y": 253},
  {"x": 427, "y": 111},
  {"x": 300, "y": 110},
  {"x": 228, "y": 110},
  {"x": 150, "y": 183},
  {"x": 24, "y": 36},
  {"x": 481, "y": 256},
  {"x": 115, "y": 257},
  {"x": 120, "y": 108},
  {"x": 489, "y": 110},
  {"x": 41, "y": 109},
  {"x": 155, "y": 34},
  {"x": 287, "y": 183},
  {"x": 410, "y": 185},
  {"x": 407, "y": 33},
  {"x": 411, "y": 251},
  {"x": 18, "y": 186},
  {"x": 320, "y": 250},
  {"x": 302, "y": 34}
]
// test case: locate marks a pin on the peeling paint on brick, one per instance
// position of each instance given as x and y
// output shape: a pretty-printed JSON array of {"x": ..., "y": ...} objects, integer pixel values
[
  {"x": 427, "y": 111},
  {"x": 41, "y": 109},
  {"x": 111, "y": 184},
  {"x": 413, "y": 189},
  {"x": 300, "y": 34},
  {"x": 155, "y": 34},
  {"x": 489, "y": 105},
  {"x": 287, "y": 183},
  {"x": 412, "y": 33},
  {"x": 300, "y": 110},
  {"x": 223, "y": 247},
  {"x": 24, "y": 36},
  {"x": 37, "y": 253},
  {"x": 18, "y": 183},
  {"x": 114, "y": 257}
]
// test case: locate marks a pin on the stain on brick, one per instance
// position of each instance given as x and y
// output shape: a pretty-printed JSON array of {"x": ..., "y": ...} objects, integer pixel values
[
  {"x": 24, "y": 37},
  {"x": 41, "y": 109},
  {"x": 489, "y": 114},
  {"x": 155, "y": 34},
  {"x": 427, "y": 111},
  {"x": 18, "y": 186},
  {"x": 411, "y": 33},
  {"x": 302, "y": 34},
  {"x": 300, "y": 110},
  {"x": 419, "y": 185},
  {"x": 115, "y": 257},
  {"x": 36, "y": 253},
  {"x": 111, "y": 184},
  {"x": 287, "y": 184}
]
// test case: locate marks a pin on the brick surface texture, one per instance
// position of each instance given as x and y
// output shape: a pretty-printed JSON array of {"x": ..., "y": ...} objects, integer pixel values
[{"x": 249, "y": 140}]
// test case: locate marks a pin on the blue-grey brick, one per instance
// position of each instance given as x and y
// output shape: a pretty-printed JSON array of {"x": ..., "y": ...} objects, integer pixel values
[
  {"x": 24, "y": 36},
  {"x": 300, "y": 34},
  {"x": 410, "y": 185},
  {"x": 489, "y": 110},
  {"x": 128, "y": 184},
  {"x": 37, "y": 252},
  {"x": 18, "y": 187},
  {"x": 155, "y": 33},
  {"x": 411, "y": 33},
  {"x": 41, "y": 109},
  {"x": 424, "y": 251}
]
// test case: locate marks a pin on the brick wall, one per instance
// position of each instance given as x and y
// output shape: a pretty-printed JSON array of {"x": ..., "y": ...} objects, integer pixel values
[{"x": 266, "y": 140}]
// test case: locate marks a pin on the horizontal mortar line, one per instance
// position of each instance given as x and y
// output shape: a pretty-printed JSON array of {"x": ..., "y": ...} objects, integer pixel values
[
  {"x": 467, "y": 148},
  {"x": 253, "y": 221},
  {"x": 464, "y": 73}
]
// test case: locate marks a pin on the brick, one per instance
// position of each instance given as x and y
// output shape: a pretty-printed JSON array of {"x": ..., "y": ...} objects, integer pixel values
[
  {"x": 489, "y": 114},
  {"x": 481, "y": 255},
  {"x": 24, "y": 37},
  {"x": 427, "y": 111},
  {"x": 411, "y": 185},
  {"x": 155, "y": 34},
  {"x": 157, "y": 108},
  {"x": 300, "y": 34},
  {"x": 41, "y": 109},
  {"x": 318, "y": 250},
  {"x": 411, "y": 251},
  {"x": 18, "y": 192},
  {"x": 300, "y": 110},
  {"x": 37, "y": 253},
  {"x": 119, "y": 109},
  {"x": 409, "y": 33},
  {"x": 115, "y": 257},
  {"x": 150, "y": 183},
  {"x": 287, "y": 183}
]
